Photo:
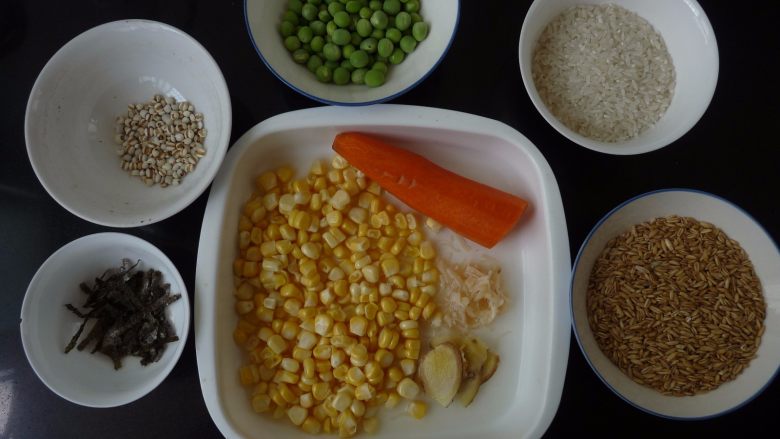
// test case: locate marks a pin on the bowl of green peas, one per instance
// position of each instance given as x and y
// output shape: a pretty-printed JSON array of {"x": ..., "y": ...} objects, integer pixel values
[{"x": 352, "y": 52}]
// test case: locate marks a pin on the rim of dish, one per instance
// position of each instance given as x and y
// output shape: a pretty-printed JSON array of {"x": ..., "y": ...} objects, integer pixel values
[
  {"x": 608, "y": 147},
  {"x": 598, "y": 373},
  {"x": 199, "y": 186},
  {"x": 183, "y": 334},
  {"x": 358, "y": 103}
]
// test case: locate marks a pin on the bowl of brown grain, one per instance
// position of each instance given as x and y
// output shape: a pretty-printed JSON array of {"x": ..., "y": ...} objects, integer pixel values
[{"x": 674, "y": 299}]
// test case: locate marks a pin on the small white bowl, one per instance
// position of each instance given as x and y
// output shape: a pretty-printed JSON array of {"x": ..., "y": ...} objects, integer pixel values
[
  {"x": 70, "y": 119},
  {"x": 47, "y": 326},
  {"x": 691, "y": 43},
  {"x": 764, "y": 255},
  {"x": 262, "y": 22}
]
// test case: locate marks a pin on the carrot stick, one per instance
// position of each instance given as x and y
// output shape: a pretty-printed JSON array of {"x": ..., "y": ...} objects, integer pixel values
[{"x": 476, "y": 211}]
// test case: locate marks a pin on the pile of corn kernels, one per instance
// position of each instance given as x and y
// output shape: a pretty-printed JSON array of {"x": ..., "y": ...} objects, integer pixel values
[{"x": 332, "y": 285}]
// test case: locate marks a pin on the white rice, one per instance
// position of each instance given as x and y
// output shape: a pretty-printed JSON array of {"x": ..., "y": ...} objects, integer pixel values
[{"x": 604, "y": 72}]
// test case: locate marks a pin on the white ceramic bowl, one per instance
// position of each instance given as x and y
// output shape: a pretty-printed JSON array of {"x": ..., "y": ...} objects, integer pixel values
[
  {"x": 531, "y": 336},
  {"x": 70, "y": 119},
  {"x": 262, "y": 21},
  {"x": 47, "y": 326},
  {"x": 765, "y": 257},
  {"x": 691, "y": 43}
]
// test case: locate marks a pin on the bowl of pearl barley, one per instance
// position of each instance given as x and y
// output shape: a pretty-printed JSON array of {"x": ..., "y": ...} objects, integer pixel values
[{"x": 128, "y": 123}]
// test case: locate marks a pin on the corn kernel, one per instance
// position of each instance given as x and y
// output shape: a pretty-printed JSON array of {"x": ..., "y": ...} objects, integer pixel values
[
  {"x": 371, "y": 273},
  {"x": 347, "y": 424},
  {"x": 322, "y": 352},
  {"x": 341, "y": 401},
  {"x": 320, "y": 391},
  {"x": 417, "y": 409},
  {"x": 358, "y": 355},
  {"x": 290, "y": 365},
  {"x": 277, "y": 343},
  {"x": 358, "y": 408},
  {"x": 301, "y": 354},
  {"x": 261, "y": 403},
  {"x": 307, "y": 340},
  {"x": 429, "y": 310},
  {"x": 358, "y": 325},
  {"x": 392, "y": 400},
  {"x": 407, "y": 388},
  {"x": 355, "y": 376},
  {"x": 297, "y": 414},
  {"x": 311, "y": 425}
]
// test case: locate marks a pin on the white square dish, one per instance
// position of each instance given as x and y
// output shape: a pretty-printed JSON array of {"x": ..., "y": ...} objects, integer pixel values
[{"x": 532, "y": 336}]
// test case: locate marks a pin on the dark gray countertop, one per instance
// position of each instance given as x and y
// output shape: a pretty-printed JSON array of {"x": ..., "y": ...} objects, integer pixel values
[{"x": 733, "y": 152}]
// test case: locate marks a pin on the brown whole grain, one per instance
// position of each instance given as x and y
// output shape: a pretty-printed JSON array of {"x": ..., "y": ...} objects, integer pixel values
[{"x": 676, "y": 305}]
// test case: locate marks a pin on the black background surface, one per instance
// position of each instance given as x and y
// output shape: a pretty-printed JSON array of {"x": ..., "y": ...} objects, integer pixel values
[{"x": 732, "y": 152}]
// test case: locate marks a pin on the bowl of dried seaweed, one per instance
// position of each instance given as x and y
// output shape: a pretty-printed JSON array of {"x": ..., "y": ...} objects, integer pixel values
[{"x": 105, "y": 319}]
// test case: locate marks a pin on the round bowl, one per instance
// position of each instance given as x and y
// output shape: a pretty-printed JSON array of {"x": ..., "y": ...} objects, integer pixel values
[
  {"x": 47, "y": 326},
  {"x": 72, "y": 110},
  {"x": 691, "y": 43},
  {"x": 262, "y": 21},
  {"x": 764, "y": 255}
]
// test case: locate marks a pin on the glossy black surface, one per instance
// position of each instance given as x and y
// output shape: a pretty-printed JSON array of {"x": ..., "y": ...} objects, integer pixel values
[{"x": 733, "y": 152}]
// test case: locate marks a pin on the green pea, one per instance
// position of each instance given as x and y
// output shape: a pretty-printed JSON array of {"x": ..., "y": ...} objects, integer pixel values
[
  {"x": 356, "y": 39},
  {"x": 359, "y": 58},
  {"x": 408, "y": 43},
  {"x": 347, "y": 51},
  {"x": 420, "y": 30},
  {"x": 365, "y": 13},
  {"x": 379, "y": 20},
  {"x": 374, "y": 78},
  {"x": 324, "y": 16},
  {"x": 342, "y": 19},
  {"x": 397, "y": 57},
  {"x": 340, "y": 76},
  {"x": 381, "y": 66},
  {"x": 317, "y": 2},
  {"x": 384, "y": 47},
  {"x": 369, "y": 45},
  {"x": 341, "y": 37},
  {"x": 286, "y": 28},
  {"x": 378, "y": 34},
  {"x": 375, "y": 5},
  {"x": 295, "y": 6},
  {"x": 332, "y": 64},
  {"x": 317, "y": 27},
  {"x": 331, "y": 52},
  {"x": 330, "y": 28},
  {"x": 291, "y": 16},
  {"x": 403, "y": 20},
  {"x": 292, "y": 43},
  {"x": 393, "y": 35},
  {"x": 358, "y": 76},
  {"x": 391, "y": 6},
  {"x": 353, "y": 6},
  {"x": 313, "y": 63},
  {"x": 347, "y": 65},
  {"x": 309, "y": 12},
  {"x": 334, "y": 7},
  {"x": 412, "y": 6},
  {"x": 363, "y": 27},
  {"x": 305, "y": 34},
  {"x": 317, "y": 43},
  {"x": 301, "y": 56},
  {"x": 416, "y": 18},
  {"x": 324, "y": 74}
]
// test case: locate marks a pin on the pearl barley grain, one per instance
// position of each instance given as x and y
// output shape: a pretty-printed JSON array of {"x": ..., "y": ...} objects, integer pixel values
[{"x": 161, "y": 141}]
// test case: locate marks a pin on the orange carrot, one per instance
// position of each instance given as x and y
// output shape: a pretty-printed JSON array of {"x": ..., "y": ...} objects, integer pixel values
[{"x": 476, "y": 211}]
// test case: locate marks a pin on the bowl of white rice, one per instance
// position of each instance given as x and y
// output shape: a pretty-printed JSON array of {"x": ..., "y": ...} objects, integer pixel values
[{"x": 620, "y": 77}]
